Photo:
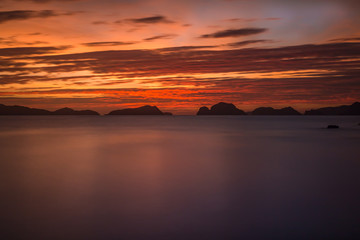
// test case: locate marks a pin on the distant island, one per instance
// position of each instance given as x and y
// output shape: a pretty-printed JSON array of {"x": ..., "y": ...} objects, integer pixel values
[
  {"x": 220, "y": 108},
  {"x": 144, "y": 110},
  {"x": 21, "y": 110},
  {"x": 69, "y": 111},
  {"x": 272, "y": 111},
  {"x": 353, "y": 109},
  {"x": 230, "y": 109}
]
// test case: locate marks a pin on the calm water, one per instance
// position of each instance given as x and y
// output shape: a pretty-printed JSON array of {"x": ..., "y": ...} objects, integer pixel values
[{"x": 174, "y": 177}]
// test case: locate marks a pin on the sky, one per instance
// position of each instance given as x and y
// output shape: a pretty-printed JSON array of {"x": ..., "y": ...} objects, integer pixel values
[{"x": 179, "y": 55}]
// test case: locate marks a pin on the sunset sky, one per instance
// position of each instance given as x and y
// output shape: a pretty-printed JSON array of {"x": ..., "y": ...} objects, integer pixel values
[{"x": 179, "y": 55}]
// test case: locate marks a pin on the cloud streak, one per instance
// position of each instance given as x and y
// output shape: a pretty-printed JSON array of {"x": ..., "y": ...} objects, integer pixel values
[
  {"x": 350, "y": 39},
  {"x": 6, "y": 16},
  {"x": 335, "y": 56},
  {"x": 150, "y": 20},
  {"x": 234, "y": 33},
  {"x": 12, "y": 41},
  {"x": 46, "y": 1},
  {"x": 25, "y": 51},
  {"x": 323, "y": 61},
  {"x": 251, "y": 19},
  {"x": 248, "y": 42},
  {"x": 106, "y": 44},
  {"x": 164, "y": 36}
]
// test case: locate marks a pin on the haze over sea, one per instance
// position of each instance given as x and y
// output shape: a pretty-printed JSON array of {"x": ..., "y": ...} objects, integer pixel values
[{"x": 179, "y": 177}]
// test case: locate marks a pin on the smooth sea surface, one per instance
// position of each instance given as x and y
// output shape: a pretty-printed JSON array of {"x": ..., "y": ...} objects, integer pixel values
[{"x": 179, "y": 177}]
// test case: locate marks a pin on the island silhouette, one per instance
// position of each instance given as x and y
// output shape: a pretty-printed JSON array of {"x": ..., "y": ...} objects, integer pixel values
[
  {"x": 69, "y": 111},
  {"x": 21, "y": 110},
  {"x": 144, "y": 110},
  {"x": 220, "y": 108},
  {"x": 353, "y": 109},
  {"x": 272, "y": 111}
]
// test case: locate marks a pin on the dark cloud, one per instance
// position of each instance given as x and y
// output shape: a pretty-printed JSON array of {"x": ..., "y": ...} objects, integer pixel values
[
  {"x": 106, "y": 44},
  {"x": 248, "y": 42},
  {"x": 23, "y": 51},
  {"x": 241, "y": 19},
  {"x": 164, "y": 36},
  {"x": 234, "y": 33},
  {"x": 339, "y": 58},
  {"x": 313, "y": 72},
  {"x": 35, "y": 34},
  {"x": 350, "y": 39},
  {"x": 99, "y": 22},
  {"x": 6, "y": 16},
  {"x": 46, "y": 1},
  {"x": 150, "y": 20},
  {"x": 12, "y": 41},
  {"x": 272, "y": 19},
  {"x": 251, "y": 19},
  {"x": 5, "y": 63},
  {"x": 184, "y": 48}
]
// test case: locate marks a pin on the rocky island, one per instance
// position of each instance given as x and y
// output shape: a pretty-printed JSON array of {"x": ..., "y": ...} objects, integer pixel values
[
  {"x": 144, "y": 110},
  {"x": 21, "y": 110},
  {"x": 353, "y": 109},
  {"x": 221, "y": 108},
  {"x": 69, "y": 111},
  {"x": 272, "y": 111}
]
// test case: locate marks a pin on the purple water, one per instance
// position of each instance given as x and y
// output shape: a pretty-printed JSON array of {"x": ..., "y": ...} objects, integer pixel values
[{"x": 179, "y": 177}]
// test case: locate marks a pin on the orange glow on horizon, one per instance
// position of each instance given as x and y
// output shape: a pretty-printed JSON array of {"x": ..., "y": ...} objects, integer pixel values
[{"x": 178, "y": 56}]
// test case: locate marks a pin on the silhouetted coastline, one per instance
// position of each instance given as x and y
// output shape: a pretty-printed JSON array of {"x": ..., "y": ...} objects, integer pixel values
[
  {"x": 69, "y": 111},
  {"x": 220, "y": 108},
  {"x": 21, "y": 110},
  {"x": 272, "y": 111},
  {"x": 144, "y": 110},
  {"x": 353, "y": 109}
]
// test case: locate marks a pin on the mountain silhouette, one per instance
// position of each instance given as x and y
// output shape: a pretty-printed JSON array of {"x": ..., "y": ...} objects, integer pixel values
[
  {"x": 144, "y": 110},
  {"x": 353, "y": 109},
  {"x": 69, "y": 111},
  {"x": 221, "y": 108},
  {"x": 272, "y": 111},
  {"x": 204, "y": 111},
  {"x": 21, "y": 110}
]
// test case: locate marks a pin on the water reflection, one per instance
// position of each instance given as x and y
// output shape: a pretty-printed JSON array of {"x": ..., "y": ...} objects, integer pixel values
[{"x": 178, "y": 178}]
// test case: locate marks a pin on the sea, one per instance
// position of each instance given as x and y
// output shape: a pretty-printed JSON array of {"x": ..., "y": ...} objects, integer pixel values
[{"x": 179, "y": 177}]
